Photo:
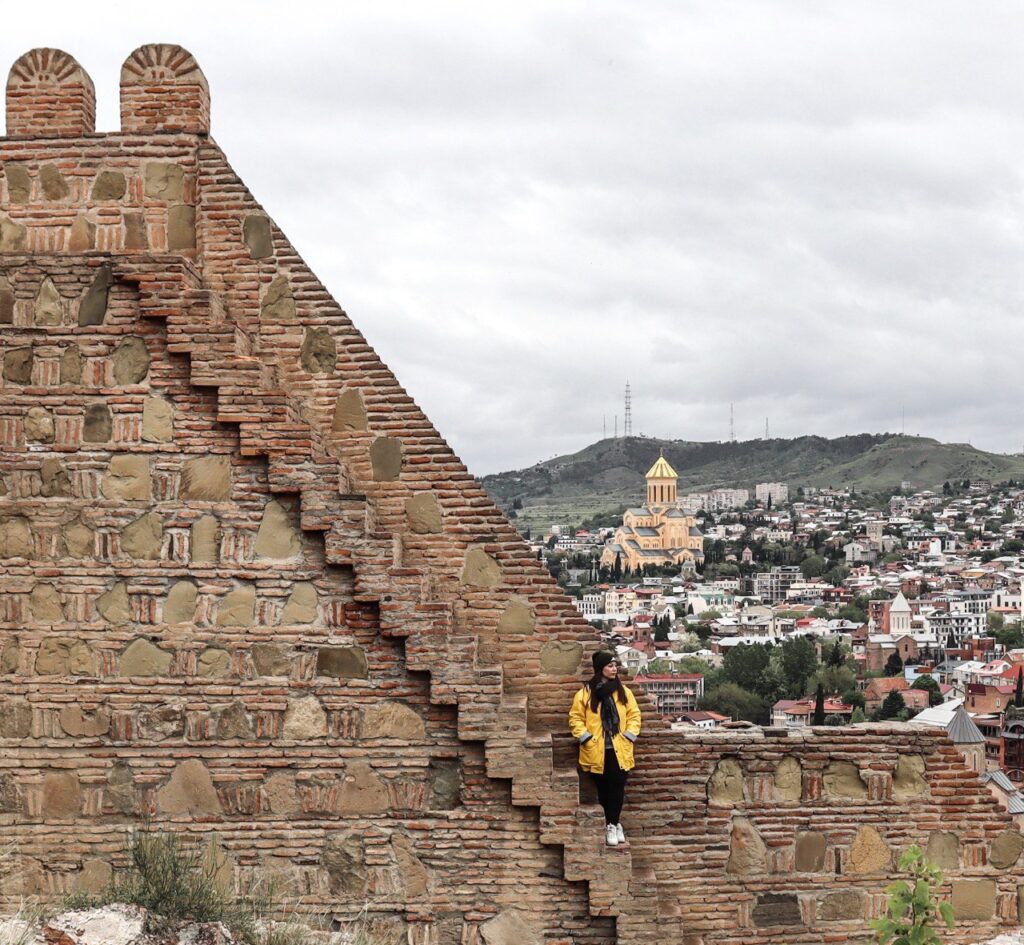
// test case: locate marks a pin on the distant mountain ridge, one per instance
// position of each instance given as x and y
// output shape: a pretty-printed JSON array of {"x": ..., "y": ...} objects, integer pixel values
[{"x": 610, "y": 473}]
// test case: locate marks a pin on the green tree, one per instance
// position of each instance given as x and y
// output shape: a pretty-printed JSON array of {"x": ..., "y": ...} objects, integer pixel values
[
  {"x": 819, "y": 706},
  {"x": 930, "y": 686},
  {"x": 813, "y": 566},
  {"x": 1018, "y": 692},
  {"x": 893, "y": 665},
  {"x": 799, "y": 663},
  {"x": 892, "y": 706},
  {"x": 853, "y": 613},
  {"x": 996, "y": 622},
  {"x": 857, "y": 715},
  {"x": 617, "y": 568},
  {"x": 745, "y": 665},
  {"x": 1010, "y": 636},
  {"x": 736, "y": 702},
  {"x": 836, "y": 656}
]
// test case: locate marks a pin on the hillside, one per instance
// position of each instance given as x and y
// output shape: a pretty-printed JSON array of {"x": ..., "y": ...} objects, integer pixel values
[{"x": 609, "y": 474}]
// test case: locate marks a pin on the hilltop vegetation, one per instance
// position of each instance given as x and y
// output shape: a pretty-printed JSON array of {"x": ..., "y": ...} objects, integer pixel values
[{"x": 608, "y": 475}]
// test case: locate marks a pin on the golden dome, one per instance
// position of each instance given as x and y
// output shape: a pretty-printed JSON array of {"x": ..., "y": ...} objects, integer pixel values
[{"x": 661, "y": 470}]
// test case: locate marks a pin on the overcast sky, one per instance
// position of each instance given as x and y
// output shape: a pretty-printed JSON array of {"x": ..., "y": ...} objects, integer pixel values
[{"x": 810, "y": 209}]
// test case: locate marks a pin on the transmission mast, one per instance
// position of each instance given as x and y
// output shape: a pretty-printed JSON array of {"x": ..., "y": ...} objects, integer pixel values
[
  {"x": 627, "y": 420},
  {"x": 766, "y": 428},
  {"x": 732, "y": 425}
]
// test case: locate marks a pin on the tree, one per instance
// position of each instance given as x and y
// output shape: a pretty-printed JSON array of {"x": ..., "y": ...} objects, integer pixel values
[
  {"x": 617, "y": 568},
  {"x": 835, "y": 656},
  {"x": 736, "y": 702},
  {"x": 745, "y": 665},
  {"x": 892, "y": 706},
  {"x": 931, "y": 687},
  {"x": 813, "y": 566},
  {"x": 996, "y": 622},
  {"x": 852, "y": 613},
  {"x": 799, "y": 662},
  {"x": 819, "y": 706},
  {"x": 1018, "y": 692},
  {"x": 858, "y": 715},
  {"x": 893, "y": 665}
]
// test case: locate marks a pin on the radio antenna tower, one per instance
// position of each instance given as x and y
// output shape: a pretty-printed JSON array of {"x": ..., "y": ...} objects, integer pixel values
[
  {"x": 604, "y": 426},
  {"x": 766, "y": 428},
  {"x": 627, "y": 420},
  {"x": 732, "y": 425}
]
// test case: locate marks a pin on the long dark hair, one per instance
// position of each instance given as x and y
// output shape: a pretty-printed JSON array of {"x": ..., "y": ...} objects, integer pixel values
[{"x": 599, "y": 680}]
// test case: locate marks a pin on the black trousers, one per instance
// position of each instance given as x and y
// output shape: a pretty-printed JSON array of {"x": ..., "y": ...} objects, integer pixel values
[{"x": 611, "y": 786}]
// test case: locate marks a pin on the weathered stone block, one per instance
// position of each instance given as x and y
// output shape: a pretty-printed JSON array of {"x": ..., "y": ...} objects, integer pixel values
[
  {"x": 480, "y": 569},
  {"x": 204, "y": 542},
  {"x": 19, "y": 184},
  {"x": 869, "y": 853},
  {"x": 342, "y": 662},
  {"x": 509, "y": 928},
  {"x": 517, "y": 619},
  {"x": 725, "y": 786},
  {"x": 560, "y": 658},
  {"x": 49, "y": 309},
  {"x": 908, "y": 780},
  {"x": 180, "y": 606},
  {"x": 842, "y": 906},
  {"x": 15, "y": 537},
  {"x": 143, "y": 539},
  {"x": 164, "y": 181},
  {"x": 789, "y": 780},
  {"x": 319, "y": 353},
  {"x": 278, "y": 536},
  {"x": 213, "y": 663},
  {"x": 810, "y": 851},
  {"x": 59, "y": 657},
  {"x": 777, "y": 909},
  {"x": 62, "y": 796},
  {"x": 6, "y": 303},
  {"x": 52, "y": 182},
  {"x": 55, "y": 478},
  {"x": 157, "y": 420},
  {"x": 130, "y": 361},
  {"x": 12, "y": 236},
  {"x": 18, "y": 365},
  {"x": 349, "y": 412},
  {"x": 237, "y": 607},
  {"x": 113, "y": 604},
  {"x": 748, "y": 855},
  {"x": 128, "y": 478},
  {"x": 842, "y": 780},
  {"x": 392, "y": 720},
  {"x": 15, "y": 719},
  {"x": 80, "y": 724},
  {"x": 362, "y": 791},
  {"x": 233, "y": 722},
  {"x": 943, "y": 849},
  {"x": 305, "y": 718},
  {"x": 99, "y": 424},
  {"x": 109, "y": 185},
  {"x": 1006, "y": 849},
  {"x": 278, "y": 303},
  {"x": 94, "y": 877},
  {"x": 386, "y": 458},
  {"x": 973, "y": 899},
  {"x": 181, "y": 227},
  {"x": 343, "y": 860},
  {"x": 71, "y": 366},
  {"x": 301, "y": 606},
  {"x": 39, "y": 426},
  {"x": 189, "y": 791},
  {"x": 257, "y": 236},
  {"x": 445, "y": 782},
  {"x": 45, "y": 605},
  {"x": 93, "y": 307},
  {"x": 207, "y": 477},
  {"x": 83, "y": 235},
  {"x": 271, "y": 659},
  {"x": 142, "y": 658},
  {"x": 282, "y": 793},
  {"x": 423, "y": 514},
  {"x": 10, "y": 656}
]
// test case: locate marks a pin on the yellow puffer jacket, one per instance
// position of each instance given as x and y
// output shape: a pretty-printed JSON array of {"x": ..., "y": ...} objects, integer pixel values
[{"x": 585, "y": 725}]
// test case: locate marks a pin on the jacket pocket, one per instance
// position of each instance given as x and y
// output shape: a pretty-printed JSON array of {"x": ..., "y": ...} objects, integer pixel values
[
  {"x": 624, "y": 752},
  {"x": 590, "y": 752}
]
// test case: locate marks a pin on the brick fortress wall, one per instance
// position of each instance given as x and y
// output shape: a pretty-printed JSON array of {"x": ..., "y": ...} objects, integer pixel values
[{"x": 249, "y": 592}]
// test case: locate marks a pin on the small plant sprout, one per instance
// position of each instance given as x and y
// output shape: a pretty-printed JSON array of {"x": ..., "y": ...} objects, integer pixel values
[{"x": 913, "y": 909}]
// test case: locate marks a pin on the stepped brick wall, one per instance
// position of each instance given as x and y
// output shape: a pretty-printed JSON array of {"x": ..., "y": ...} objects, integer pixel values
[{"x": 248, "y": 593}]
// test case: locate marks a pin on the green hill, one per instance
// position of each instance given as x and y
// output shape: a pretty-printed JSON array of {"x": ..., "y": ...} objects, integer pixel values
[{"x": 609, "y": 474}]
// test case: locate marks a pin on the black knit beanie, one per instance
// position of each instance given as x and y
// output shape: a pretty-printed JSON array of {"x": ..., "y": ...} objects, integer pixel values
[{"x": 601, "y": 659}]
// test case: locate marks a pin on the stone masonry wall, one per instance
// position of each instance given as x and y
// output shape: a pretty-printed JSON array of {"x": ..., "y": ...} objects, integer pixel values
[{"x": 246, "y": 590}]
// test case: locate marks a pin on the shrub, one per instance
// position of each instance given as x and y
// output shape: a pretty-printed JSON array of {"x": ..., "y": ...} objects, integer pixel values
[{"x": 913, "y": 909}]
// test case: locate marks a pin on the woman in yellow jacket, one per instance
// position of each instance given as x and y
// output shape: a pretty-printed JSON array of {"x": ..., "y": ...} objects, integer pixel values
[{"x": 605, "y": 720}]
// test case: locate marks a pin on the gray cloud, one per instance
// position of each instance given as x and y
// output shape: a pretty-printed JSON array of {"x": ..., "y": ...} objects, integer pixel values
[{"x": 810, "y": 210}]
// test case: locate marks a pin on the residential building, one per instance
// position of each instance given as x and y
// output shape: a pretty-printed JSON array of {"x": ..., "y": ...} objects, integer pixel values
[
  {"x": 776, "y": 492},
  {"x": 772, "y": 586},
  {"x": 673, "y": 694}
]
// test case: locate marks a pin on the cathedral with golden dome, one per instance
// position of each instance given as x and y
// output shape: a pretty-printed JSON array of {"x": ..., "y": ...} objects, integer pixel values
[{"x": 659, "y": 533}]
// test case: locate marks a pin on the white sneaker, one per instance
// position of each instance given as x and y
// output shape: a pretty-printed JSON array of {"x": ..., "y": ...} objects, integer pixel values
[
  {"x": 620, "y": 834},
  {"x": 611, "y": 835}
]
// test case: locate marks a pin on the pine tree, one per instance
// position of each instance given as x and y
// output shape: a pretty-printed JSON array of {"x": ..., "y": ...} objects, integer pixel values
[
  {"x": 893, "y": 705},
  {"x": 617, "y": 568},
  {"x": 835, "y": 658},
  {"x": 819, "y": 706},
  {"x": 1018, "y": 694},
  {"x": 893, "y": 665}
]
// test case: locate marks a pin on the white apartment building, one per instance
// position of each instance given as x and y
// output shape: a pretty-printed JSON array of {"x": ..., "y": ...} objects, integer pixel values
[
  {"x": 620, "y": 601},
  {"x": 778, "y": 492},
  {"x": 590, "y": 605}
]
